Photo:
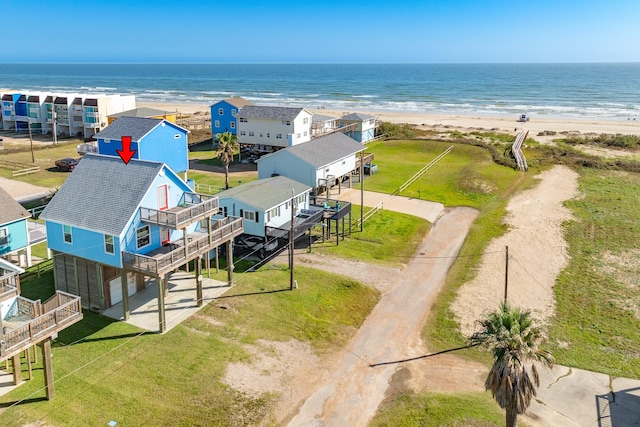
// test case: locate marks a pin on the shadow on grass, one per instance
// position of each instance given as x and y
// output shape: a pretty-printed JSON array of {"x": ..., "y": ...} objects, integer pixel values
[
  {"x": 253, "y": 293},
  {"x": 4, "y": 405}
]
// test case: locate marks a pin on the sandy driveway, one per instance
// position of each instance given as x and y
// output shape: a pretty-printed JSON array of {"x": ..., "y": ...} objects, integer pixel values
[{"x": 354, "y": 391}]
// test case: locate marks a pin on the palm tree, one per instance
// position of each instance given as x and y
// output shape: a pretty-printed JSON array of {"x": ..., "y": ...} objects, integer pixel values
[
  {"x": 227, "y": 147},
  {"x": 514, "y": 339}
]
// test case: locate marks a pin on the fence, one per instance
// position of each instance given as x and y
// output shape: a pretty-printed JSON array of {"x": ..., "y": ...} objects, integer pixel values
[{"x": 18, "y": 169}]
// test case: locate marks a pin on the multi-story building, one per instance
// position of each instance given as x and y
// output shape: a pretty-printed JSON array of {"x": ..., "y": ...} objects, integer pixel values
[
  {"x": 224, "y": 115},
  {"x": 267, "y": 129}
]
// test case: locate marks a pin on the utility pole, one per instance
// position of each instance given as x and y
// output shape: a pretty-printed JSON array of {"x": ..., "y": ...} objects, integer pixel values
[
  {"x": 54, "y": 121},
  {"x": 291, "y": 241},
  {"x": 33, "y": 159},
  {"x": 506, "y": 273},
  {"x": 362, "y": 190}
]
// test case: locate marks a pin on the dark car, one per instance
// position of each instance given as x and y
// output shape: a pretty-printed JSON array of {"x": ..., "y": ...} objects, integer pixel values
[{"x": 66, "y": 164}]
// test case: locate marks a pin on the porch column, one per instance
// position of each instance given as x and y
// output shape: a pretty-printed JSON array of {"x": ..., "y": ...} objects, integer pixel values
[
  {"x": 162, "y": 325},
  {"x": 29, "y": 260},
  {"x": 229, "y": 263},
  {"x": 17, "y": 369},
  {"x": 125, "y": 294},
  {"x": 186, "y": 248},
  {"x": 27, "y": 354},
  {"x": 199, "y": 281},
  {"x": 48, "y": 368}
]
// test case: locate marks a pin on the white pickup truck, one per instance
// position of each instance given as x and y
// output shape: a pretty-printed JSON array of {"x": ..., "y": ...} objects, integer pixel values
[{"x": 523, "y": 118}]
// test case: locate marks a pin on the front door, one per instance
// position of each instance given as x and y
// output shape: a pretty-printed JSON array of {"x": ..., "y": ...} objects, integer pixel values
[
  {"x": 165, "y": 235},
  {"x": 163, "y": 197}
]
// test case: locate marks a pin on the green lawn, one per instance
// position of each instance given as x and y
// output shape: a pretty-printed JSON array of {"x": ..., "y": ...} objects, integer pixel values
[
  {"x": 388, "y": 238},
  {"x": 467, "y": 176},
  {"x": 106, "y": 370},
  {"x": 45, "y": 157},
  {"x": 441, "y": 409}
]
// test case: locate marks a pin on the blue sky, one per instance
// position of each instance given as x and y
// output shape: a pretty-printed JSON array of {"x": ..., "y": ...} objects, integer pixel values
[{"x": 330, "y": 31}]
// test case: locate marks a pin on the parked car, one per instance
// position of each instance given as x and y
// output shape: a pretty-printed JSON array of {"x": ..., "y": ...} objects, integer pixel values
[
  {"x": 67, "y": 164},
  {"x": 523, "y": 118},
  {"x": 255, "y": 244}
]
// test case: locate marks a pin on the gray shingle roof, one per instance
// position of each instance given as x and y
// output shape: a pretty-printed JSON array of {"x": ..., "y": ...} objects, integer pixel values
[
  {"x": 102, "y": 193},
  {"x": 10, "y": 210},
  {"x": 136, "y": 127},
  {"x": 142, "y": 112},
  {"x": 269, "y": 113},
  {"x": 357, "y": 117},
  {"x": 325, "y": 150},
  {"x": 265, "y": 193}
]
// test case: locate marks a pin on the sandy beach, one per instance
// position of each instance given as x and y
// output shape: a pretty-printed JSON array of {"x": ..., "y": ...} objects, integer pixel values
[{"x": 463, "y": 123}]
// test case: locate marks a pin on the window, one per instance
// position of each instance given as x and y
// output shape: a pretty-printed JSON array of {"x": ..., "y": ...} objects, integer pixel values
[
  {"x": 305, "y": 120},
  {"x": 221, "y": 111},
  {"x": 234, "y": 112},
  {"x": 278, "y": 136},
  {"x": 301, "y": 198},
  {"x": 242, "y": 133},
  {"x": 4, "y": 237},
  {"x": 66, "y": 234},
  {"x": 251, "y": 134},
  {"x": 232, "y": 125},
  {"x": 217, "y": 123},
  {"x": 108, "y": 244},
  {"x": 275, "y": 212},
  {"x": 286, "y": 122},
  {"x": 306, "y": 133},
  {"x": 251, "y": 216},
  {"x": 297, "y": 135},
  {"x": 268, "y": 135},
  {"x": 243, "y": 120},
  {"x": 142, "y": 236}
]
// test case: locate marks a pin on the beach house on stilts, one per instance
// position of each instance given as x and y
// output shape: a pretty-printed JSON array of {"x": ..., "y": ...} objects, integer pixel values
[{"x": 116, "y": 229}]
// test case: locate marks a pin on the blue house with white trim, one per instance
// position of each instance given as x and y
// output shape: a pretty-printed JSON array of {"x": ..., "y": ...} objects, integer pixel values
[
  {"x": 223, "y": 115},
  {"x": 112, "y": 224},
  {"x": 364, "y": 126},
  {"x": 157, "y": 140},
  {"x": 14, "y": 233}
]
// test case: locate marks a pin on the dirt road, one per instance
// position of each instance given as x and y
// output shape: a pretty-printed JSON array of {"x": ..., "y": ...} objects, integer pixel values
[{"x": 354, "y": 391}]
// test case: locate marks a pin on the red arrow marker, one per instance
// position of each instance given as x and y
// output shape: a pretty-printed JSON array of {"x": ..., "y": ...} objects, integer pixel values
[{"x": 126, "y": 153}]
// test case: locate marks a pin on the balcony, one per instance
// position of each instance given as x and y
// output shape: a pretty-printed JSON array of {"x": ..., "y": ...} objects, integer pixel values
[
  {"x": 169, "y": 257},
  {"x": 32, "y": 322},
  {"x": 303, "y": 221},
  {"x": 9, "y": 286},
  {"x": 194, "y": 207},
  {"x": 37, "y": 232}
]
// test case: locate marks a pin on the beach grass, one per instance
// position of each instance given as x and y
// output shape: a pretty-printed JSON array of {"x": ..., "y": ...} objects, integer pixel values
[
  {"x": 440, "y": 409},
  {"x": 106, "y": 370},
  {"x": 598, "y": 295}
]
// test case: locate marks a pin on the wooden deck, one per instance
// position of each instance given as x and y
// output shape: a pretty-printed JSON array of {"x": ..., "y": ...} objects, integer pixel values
[
  {"x": 167, "y": 258},
  {"x": 40, "y": 322},
  {"x": 193, "y": 208}
]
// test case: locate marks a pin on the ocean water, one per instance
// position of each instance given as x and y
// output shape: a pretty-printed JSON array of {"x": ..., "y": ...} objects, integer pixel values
[{"x": 598, "y": 91}]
